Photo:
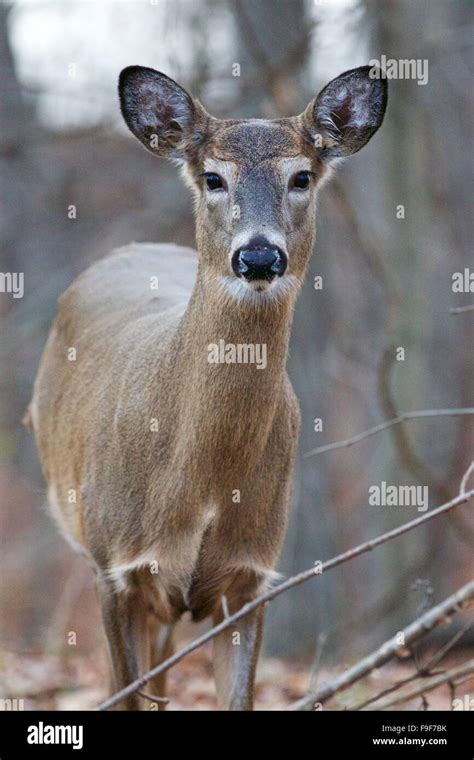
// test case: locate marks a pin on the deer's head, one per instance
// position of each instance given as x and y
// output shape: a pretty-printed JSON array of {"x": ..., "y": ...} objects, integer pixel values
[{"x": 255, "y": 180}]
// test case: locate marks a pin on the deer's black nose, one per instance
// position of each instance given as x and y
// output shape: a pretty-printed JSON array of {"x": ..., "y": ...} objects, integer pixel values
[{"x": 259, "y": 263}]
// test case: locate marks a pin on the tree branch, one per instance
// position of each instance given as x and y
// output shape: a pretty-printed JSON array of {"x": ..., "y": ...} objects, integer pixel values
[{"x": 389, "y": 423}]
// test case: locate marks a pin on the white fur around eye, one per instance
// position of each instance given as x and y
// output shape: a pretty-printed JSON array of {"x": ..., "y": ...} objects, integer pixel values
[
  {"x": 215, "y": 197},
  {"x": 299, "y": 197}
]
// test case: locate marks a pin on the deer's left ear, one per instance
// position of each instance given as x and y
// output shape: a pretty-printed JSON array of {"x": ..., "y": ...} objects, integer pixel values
[{"x": 347, "y": 112}]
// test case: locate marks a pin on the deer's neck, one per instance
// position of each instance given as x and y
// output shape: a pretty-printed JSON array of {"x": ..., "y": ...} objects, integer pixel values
[{"x": 231, "y": 360}]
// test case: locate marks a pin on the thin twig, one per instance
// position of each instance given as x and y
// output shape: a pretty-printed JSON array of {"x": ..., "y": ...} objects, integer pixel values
[
  {"x": 462, "y": 680},
  {"x": 314, "y": 675},
  {"x": 296, "y": 580},
  {"x": 390, "y": 648},
  {"x": 225, "y": 606},
  {"x": 465, "y": 478},
  {"x": 452, "y": 692},
  {"x": 389, "y": 423},
  {"x": 462, "y": 670},
  {"x": 461, "y": 309},
  {"x": 441, "y": 653},
  {"x": 425, "y": 671},
  {"x": 151, "y": 698}
]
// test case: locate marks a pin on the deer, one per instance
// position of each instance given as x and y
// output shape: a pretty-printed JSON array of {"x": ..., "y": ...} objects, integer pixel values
[{"x": 170, "y": 472}]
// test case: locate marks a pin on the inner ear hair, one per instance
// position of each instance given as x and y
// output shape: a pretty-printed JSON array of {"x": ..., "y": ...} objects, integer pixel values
[
  {"x": 159, "y": 112},
  {"x": 347, "y": 112}
]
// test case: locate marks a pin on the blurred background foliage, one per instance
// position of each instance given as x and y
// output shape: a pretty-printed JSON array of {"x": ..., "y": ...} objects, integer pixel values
[{"x": 387, "y": 282}]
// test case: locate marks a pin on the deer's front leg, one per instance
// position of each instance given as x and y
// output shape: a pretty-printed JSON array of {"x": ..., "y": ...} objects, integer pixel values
[
  {"x": 235, "y": 655},
  {"x": 126, "y": 627}
]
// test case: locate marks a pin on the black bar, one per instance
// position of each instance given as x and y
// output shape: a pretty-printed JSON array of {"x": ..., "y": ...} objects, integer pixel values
[{"x": 320, "y": 734}]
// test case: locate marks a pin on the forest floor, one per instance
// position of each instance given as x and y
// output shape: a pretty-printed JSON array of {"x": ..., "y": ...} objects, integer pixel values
[{"x": 78, "y": 682}]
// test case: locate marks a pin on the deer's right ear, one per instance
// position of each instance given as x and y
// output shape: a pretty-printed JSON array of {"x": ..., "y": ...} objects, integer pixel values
[{"x": 164, "y": 117}]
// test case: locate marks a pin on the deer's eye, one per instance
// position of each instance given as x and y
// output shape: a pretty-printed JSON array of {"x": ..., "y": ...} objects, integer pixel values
[
  {"x": 213, "y": 181},
  {"x": 301, "y": 181}
]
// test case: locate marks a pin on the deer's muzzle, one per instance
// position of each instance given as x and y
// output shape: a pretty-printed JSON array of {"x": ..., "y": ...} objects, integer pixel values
[{"x": 262, "y": 262}]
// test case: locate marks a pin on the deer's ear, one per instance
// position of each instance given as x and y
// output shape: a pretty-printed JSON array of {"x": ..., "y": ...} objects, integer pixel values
[
  {"x": 164, "y": 117},
  {"x": 347, "y": 112}
]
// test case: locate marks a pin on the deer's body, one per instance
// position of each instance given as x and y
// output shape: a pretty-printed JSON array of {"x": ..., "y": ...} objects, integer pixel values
[
  {"x": 171, "y": 472},
  {"x": 165, "y": 466}
]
